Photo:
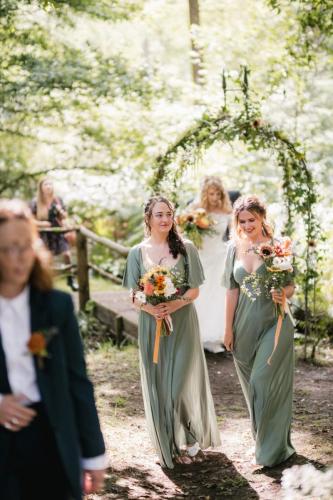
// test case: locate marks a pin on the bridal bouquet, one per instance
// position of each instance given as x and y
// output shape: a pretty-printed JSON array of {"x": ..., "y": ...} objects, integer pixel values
[
  {"x": 158, "y": 285},
  {"x": 279, "y": 272},
  {"x": 195, "y": 224}
]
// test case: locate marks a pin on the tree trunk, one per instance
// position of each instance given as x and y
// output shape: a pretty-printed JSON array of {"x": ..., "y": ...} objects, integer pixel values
[{"x": 197, "y": 62}]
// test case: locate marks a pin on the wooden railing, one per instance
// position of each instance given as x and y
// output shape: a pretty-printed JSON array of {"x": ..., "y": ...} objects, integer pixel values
[{"x": 120, "y": 326}]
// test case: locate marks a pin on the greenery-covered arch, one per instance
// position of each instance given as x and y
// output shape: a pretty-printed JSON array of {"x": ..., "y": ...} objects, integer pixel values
[{"x": 247, "y": 126}]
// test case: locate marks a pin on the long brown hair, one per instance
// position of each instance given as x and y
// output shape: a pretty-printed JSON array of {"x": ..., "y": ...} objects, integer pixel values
[
  {"x": 41, "y": 273},
  {"x": 253, "y": 204},
  {"x": 175, "y": 242},
  {"x": 215, "y": 182},
  {"x": 42, "y": 208}
]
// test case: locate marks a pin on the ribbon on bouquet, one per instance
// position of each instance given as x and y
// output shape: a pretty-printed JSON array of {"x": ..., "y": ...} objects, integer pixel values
[
  {"x": 284, "y": 310},
  {"x": 168, "y": 327}
]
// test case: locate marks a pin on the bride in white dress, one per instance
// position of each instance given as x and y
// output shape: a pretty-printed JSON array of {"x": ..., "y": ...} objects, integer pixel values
[{"x": 210, "y": 303}]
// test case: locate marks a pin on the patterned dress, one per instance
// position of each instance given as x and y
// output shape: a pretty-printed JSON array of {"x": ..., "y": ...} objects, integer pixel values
[{"x": 56, "y": 243}]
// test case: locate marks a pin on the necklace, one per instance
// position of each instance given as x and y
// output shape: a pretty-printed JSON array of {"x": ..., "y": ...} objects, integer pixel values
[{"x": 251, "y": 248}]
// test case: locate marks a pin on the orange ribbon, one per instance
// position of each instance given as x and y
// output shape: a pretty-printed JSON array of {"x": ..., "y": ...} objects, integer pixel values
[
  {"x": 157, "y": 339},
  {"x": 284, "y": 309}
]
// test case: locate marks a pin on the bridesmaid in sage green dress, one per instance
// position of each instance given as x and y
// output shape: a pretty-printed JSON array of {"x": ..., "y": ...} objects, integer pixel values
[
  {"x": 249, "y": 334},
  {"x": 176, "y": 392}
]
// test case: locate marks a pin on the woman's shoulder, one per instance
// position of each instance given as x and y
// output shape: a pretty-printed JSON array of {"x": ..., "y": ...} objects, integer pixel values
[
  {"x": 231, "y": 244},
  {"x": 135, "y": 250},
  {"x": 60, "y": 297},
  {"x": 189, "y": 245}
]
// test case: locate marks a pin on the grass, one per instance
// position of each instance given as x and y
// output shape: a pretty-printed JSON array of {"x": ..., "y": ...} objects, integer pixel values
[{"x": 97, "y": 284}]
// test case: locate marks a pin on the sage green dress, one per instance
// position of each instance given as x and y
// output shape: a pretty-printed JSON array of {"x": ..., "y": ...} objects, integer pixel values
[
  {"x": 178, "y": 403},
  {"x": 268, "y": 389}
]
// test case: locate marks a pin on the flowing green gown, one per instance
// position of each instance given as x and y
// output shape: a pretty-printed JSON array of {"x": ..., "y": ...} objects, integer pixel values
[
  {"x": 178, "y": 403},
  {"x": 268, "y": 389}
]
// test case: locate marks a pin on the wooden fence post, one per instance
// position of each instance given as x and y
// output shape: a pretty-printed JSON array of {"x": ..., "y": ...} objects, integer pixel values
[{"x": 82, "y": 269}]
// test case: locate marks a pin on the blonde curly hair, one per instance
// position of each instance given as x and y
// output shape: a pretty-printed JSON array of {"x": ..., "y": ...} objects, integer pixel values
[{"x": 212, "y": 181}]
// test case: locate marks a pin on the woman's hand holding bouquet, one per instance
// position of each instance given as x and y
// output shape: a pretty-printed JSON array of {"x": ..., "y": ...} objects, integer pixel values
[{"x": 158, "y": 290}]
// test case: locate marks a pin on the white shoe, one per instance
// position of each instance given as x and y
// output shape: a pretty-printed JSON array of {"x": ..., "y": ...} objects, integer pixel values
[
  {"x": 214, "y": 347},
  {"x": 193, "y": 450}
]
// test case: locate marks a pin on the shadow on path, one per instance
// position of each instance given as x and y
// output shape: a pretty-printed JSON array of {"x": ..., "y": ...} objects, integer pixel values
[
  {"x": 216, "y": 477},
  {"x": 277, "y": 471}
]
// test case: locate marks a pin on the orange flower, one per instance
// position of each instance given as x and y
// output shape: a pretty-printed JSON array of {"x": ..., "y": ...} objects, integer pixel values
[
  {"x": 37, "y": 344},
  {"x": 203, "y": 223}
]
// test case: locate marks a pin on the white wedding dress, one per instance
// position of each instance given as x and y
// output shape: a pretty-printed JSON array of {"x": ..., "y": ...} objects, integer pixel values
[{"x": 210, "y": 304}]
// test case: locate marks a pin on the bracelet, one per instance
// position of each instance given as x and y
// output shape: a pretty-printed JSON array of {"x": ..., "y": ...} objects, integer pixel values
[{"x": 186, "y": 299}]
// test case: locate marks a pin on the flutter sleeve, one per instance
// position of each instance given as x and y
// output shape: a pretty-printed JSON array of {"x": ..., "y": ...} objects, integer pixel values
[
  {"x": 228, "y": 279},
  {"x": 195, "y": 273},
  {"x": 132, "y": 268}
]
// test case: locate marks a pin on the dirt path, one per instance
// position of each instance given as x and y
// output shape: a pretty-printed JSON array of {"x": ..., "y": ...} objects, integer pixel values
[{"x": 227, "y": 471}]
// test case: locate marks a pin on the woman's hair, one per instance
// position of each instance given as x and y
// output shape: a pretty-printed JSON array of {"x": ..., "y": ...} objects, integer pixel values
[
  {"x": 42, "y": 211},
  {"x": 175, "y": 242},
  {"x": 41, "y": 273},
  {"x": 212, "y": 181},
  {"x": 253, "y": 204}
]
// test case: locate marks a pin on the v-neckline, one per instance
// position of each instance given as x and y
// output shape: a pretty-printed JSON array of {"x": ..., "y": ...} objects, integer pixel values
[
  {"x": 155, "y": 265},
  {"x": 247, "y": 272}
]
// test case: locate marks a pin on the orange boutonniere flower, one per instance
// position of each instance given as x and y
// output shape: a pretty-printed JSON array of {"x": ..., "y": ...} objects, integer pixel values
[{"x": 38, "y": 342}]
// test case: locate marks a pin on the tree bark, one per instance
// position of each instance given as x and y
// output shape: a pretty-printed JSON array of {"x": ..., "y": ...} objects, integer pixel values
[{"x": 194, "y": 12}]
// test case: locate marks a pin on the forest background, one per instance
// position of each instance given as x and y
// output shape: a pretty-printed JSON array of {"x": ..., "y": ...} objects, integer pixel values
[{"x": 93, "y": 92}]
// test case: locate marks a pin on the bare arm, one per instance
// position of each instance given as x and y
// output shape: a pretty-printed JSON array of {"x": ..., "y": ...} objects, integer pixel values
[
  {"x": 230, "y": 308},
  {"x": 43, "y": 223}
]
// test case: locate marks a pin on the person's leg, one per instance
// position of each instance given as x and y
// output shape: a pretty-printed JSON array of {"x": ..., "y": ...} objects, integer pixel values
[
  {"x": 71, "y": 281},
  {"x": 39, "y": 470},
  {"x": 271, "y": 388}
]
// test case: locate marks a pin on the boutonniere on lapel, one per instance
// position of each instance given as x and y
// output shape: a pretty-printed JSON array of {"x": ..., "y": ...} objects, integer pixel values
[{"x": 38, "y": 343}]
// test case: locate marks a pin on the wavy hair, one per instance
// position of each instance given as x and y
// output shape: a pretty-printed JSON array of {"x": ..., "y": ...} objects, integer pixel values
[
  {"x": 175, "y": 242},
  {"x": 215, "y": 182},
  {"x": 42, "y": 208},
  {"x": 41, "y": 273},
  {"x": 253, "y": 204}
]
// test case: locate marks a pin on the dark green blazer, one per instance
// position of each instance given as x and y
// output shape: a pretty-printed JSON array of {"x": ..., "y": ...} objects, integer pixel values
[{"x": 65, "y": 388}]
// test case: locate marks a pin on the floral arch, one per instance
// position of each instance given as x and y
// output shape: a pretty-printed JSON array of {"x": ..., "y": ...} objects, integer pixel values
[{"x": 247, "y": 126}]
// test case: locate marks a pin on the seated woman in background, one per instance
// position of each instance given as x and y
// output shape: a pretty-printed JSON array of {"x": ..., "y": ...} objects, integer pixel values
[{"x": 50, "y": 211}]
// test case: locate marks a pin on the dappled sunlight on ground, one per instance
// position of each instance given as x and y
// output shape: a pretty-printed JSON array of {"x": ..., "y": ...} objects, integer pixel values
[{"x": 227, "y": 472}]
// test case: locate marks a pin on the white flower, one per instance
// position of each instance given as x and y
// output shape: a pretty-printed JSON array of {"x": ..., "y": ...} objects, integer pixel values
[
  {"x": 140, "y": 296},
  {"x": 283, "y": 263},
  {"x": 170, "y": 288},
  {"x": 305, "y": 481}
]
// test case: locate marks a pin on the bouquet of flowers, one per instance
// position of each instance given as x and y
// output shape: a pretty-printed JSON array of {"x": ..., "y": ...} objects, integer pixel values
[
  {"x": 279, "y": 272},
  {"x": 196, "y": 223},
  {"x": 158, "y": 285}
]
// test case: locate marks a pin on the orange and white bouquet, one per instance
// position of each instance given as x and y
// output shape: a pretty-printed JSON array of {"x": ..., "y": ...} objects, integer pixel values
[
  {"x": 158, "y": 285},
  {"x": 278, "y": 273},
  {"x": 195, "y": 223}
]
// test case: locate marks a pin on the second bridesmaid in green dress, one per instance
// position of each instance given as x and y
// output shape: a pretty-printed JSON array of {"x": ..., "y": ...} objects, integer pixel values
[
  {"x": 176, "y": 392},
  {"x": 249, "y": 334}
]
